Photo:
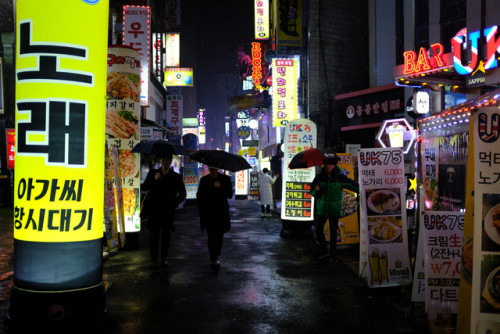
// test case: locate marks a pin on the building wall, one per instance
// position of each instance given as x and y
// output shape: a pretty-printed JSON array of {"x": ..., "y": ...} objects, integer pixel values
[{"x": 338, "y": 61}]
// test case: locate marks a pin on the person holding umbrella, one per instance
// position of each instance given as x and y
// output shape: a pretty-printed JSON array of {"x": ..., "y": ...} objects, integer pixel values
[
  {"x": 213, "y": 192},
  {"x": 166, "y": 191},
  {"x": 327, "y": 188}
]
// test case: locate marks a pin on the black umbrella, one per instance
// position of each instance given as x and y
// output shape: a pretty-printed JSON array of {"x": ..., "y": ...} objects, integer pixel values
[
  {"x": 159, "y": 147},
  {"x": 221, "y": 159}
]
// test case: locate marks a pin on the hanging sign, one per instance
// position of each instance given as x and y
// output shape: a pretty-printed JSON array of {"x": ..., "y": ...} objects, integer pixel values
[
  {"x": 11, "y": 147},
  {"x": 60, "y": 85},
  {"x": 297, "y": 201},
  {"x": 382, "y": 186},
  {"x": 136, "y": 34},
  {"x": 261, "y": 12},
  {"x": 284, "y": 91}
]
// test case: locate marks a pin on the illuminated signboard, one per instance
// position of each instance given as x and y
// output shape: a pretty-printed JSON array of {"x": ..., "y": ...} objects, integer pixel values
[
  {"x": 256, "y": 65},
  {"x": 414, "y": 63},
  {"x": 261, "y": 8},
  {"x": 173, "y": 50},
  {"x": 11, "y": 147},
  {"x": 158, "y": 51},
  {"x": 175, "y": 111},
  {"x": 399, "y": 132},
  {"x": 297, "y": 201},
  {"x": 123, "y": 112},
  {"x": 136, "y": 32},
  {"x": 178, "y": 76},
  {"x": 284, "y": 91},
  {"x": 241, "y": 182},
  {"x": 60, "y": 122}
]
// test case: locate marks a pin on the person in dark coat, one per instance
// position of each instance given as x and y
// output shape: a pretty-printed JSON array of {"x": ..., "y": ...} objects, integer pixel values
[
  {"x": 213, "y": 192},
  {"x": 166, "y": 191},
  {"x": 327, "y": 188}
]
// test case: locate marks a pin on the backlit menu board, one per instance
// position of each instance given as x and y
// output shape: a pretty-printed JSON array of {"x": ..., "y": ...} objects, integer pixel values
[{"x": 297, "y": 202}]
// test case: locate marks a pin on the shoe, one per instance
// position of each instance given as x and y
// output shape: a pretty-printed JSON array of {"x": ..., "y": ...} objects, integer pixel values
[
  {"x": 333, "y": 259},
  {"x": 269, "y": 215},
  {"x": 263, "y": 215},
  {"x": 215, "y": 265},
  {"x": 153, "y": 266}
]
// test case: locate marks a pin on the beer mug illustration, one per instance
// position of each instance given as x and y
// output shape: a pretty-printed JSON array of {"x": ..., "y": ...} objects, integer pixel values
[
  {"x": 383, "y": 266},
  {"x": 374, "y": 265}
]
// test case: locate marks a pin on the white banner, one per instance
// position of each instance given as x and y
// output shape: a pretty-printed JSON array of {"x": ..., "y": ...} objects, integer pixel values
[
  {"x": 297, "y": 202},
  {"x": 382, "y": 184},
  {"x": 486, "y": 250},
  {"x": 136, "y": 34},
  {"x": 442, "y": 240}
]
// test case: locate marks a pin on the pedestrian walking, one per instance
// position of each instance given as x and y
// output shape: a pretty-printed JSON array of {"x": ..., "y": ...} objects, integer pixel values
[
  {"x": 266, "y": 192},
  {"x": 327, "y": 188},
  {"x": 165, "y": 191},
  {"x": 213, "y": 192},
  {"x": 277, "y": 190}
]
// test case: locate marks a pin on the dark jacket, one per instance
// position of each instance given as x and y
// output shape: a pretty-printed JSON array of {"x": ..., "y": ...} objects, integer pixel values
[
  {"x": 212, "y": 203},
  {"x": 329, "y": 199},
  {"x": 163, "y": 197}
]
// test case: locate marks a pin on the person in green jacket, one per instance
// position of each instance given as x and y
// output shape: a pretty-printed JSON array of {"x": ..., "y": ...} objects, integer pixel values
[{"x": 327, "y": 188}]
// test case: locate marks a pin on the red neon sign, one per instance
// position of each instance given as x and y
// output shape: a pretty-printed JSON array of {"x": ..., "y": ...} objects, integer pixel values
[
  {"x": 256, "y": 64},
  {"x": 414, "y": 64},
  {"x": 11, "y": 147}
]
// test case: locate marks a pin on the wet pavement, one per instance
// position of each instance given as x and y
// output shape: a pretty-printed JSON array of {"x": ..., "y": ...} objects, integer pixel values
[{"x": 267, "y": 284}]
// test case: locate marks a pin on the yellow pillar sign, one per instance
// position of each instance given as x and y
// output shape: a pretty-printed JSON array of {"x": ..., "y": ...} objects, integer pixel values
[{"x": 60, "y": 120}]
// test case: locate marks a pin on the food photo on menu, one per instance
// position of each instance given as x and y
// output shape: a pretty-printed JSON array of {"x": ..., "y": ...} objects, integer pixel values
[
  {"x": 490, "y": 284},
  {"x": 385, "y": 229},
  {"x": 383, "y": 201},
  {"x": 491, "y": 223}
]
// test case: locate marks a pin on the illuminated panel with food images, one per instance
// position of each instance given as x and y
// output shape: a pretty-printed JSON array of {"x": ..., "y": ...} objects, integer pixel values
[{"x": 123, "y": 127}]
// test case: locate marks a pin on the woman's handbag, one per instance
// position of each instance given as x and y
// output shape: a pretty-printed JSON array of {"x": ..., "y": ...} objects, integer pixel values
[{"x": 145, "y": 210}]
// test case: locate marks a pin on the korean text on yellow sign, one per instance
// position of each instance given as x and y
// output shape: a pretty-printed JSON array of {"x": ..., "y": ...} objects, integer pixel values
[
  {"x": 60, "y": 118},
  {"x": 284, "y": 91}
]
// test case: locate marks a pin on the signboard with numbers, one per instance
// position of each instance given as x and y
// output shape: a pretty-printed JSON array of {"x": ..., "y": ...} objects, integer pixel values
[
  {"x": 60, "y": 84},
  {"x": 442, "y": 236},
  {"x": 382, "y": 189},
  {"x": 297, "y": 201},
  {"x": 485, "y": 305}
]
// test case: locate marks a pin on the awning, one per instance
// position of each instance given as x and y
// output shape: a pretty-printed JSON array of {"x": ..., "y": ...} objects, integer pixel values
[
  {"x": 433, "y": 78},
  {"x": 458, "y": 115}
]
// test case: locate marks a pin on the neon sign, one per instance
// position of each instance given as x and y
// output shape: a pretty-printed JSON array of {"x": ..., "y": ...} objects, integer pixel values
[
  {"x": 422, "y": 62},
  {"x": 459, "y": 44},
  {"x": 256, "y": 65}
]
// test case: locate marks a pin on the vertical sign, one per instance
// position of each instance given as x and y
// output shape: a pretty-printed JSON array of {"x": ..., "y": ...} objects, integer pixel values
[
  {"x": 11, "y": 147},
  {"x": 158, "y": 50},
  {"x": 284, "y": 91},
  {"x": 289, "y": 27},
  {"x": 254, "y": 184},
  {"x": 442, "y": 236},
  {"x": 136, "y": 30},
  {"x": 58, "y": 184},
  {"x": 191, "y": 179},
  {"x": 261, "y": 12},
  {"x": 60, "y": 84},
  {"x": 175, "y": 113},
  {"x": 241, "y": 183},
  {"x": 297, "y": 201},
  {"x": 122, "y": 126},
  {"x": 382, "y": 186},
  {"x": 486, "y": 240},
  {"x": 173, "y": 48}
]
